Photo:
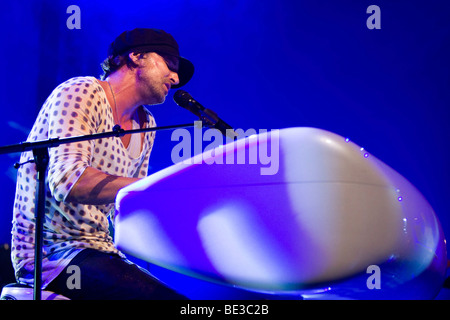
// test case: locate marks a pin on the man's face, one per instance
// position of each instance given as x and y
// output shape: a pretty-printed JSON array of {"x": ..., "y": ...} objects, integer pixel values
[{"x": 155, "y": 76}]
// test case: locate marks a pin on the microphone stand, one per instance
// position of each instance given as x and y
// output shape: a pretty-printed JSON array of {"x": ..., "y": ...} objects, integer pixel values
[{"x": 41, "y": 159}]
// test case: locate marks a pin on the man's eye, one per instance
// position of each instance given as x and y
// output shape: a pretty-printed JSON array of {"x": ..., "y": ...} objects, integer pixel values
[
  {"x": 172, "y": 65},
  {"x": 169, "y": 65}
]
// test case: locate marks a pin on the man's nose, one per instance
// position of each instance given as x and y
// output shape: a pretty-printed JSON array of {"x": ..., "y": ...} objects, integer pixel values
[{"x": 174, "y": 79}]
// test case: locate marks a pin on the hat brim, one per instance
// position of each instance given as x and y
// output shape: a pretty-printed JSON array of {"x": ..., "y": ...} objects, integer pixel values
[{"x": 185, "y": 72}]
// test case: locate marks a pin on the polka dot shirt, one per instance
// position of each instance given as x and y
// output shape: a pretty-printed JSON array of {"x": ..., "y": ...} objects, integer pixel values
[{"x": 76, "y": 107}]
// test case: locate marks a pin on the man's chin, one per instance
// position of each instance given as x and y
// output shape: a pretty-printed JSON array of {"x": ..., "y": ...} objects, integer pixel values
[{"x": 157, "y": 100}]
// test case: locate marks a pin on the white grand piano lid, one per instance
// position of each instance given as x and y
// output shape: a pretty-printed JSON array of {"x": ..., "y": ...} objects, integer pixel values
[{"x": 319, "y": 209}]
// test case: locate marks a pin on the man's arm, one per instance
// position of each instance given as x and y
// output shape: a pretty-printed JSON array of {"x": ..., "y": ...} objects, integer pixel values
[{"x": 96, "y": 187}]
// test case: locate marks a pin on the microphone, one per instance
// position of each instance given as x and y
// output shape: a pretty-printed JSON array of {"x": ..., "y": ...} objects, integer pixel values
[{"x": 185, "y": 100}]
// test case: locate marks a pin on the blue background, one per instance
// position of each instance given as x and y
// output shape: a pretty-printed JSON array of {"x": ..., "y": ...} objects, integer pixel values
[{"x": 259, "y": 64}]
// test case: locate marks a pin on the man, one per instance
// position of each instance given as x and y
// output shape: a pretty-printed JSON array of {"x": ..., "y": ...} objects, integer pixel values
[{"x": 83, "y": 178}]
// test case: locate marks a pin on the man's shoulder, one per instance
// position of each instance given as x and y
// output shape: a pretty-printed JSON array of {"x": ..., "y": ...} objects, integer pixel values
[
  {"x": 75, "y": 90},
  {"x": 75, "y": 82}
]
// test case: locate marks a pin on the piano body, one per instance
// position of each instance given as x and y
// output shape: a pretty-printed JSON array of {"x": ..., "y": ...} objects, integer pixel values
[{"x": 326, "y": 220}]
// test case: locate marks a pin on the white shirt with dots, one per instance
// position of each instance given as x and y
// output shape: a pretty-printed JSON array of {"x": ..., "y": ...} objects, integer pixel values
[{"x": 76, "y": 107}]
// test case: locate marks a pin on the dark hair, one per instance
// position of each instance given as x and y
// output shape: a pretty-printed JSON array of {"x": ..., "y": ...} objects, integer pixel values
[{"x": 112, "y": 64}]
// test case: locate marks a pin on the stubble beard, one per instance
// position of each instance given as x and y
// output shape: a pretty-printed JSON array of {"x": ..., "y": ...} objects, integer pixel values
[{"x": 151, "y": 90}]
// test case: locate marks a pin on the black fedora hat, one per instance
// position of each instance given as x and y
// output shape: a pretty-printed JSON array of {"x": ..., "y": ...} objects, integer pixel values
[{"x": 152, "y": 40}]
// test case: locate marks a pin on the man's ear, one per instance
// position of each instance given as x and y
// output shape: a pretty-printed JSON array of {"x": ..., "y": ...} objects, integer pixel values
[{"x": 136, "y": 57}]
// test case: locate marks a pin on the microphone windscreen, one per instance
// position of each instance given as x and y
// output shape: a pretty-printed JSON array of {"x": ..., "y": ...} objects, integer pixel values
[
  {"x": 185, "y": 100},
  {"x": 182, "y": 98}
]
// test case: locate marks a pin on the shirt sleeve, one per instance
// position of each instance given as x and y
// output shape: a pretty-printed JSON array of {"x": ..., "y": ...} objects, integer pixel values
[{"x": 73, "y": 110}]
